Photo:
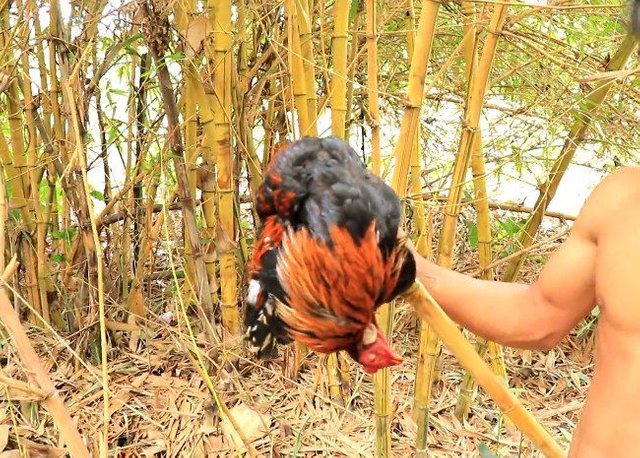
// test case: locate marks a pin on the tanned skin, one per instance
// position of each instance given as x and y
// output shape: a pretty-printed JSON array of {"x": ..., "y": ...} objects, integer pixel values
[{"x": 598, "y": 265}]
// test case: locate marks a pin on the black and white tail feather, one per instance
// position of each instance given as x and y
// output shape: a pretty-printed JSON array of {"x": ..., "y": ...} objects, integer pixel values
[{"x": 267, "y": 330}]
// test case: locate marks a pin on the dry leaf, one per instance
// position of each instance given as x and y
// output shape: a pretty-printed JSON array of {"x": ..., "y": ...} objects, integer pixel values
[
  {"x": 224, "y": 242},
  {"x": 253, "y": 424},
  {"x": 197, "y": 32},
  {"x": 4, "y": 436}
]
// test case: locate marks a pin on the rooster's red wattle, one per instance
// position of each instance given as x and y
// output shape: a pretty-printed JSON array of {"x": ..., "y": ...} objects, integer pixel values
[{"x": 326, "y": 254}]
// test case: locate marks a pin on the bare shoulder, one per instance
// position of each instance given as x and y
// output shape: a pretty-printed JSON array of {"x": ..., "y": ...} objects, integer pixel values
[{"x": 617, "y": 194}]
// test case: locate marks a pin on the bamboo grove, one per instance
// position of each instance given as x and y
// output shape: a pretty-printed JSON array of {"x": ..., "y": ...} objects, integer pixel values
[{"x": 126, "y": 123}]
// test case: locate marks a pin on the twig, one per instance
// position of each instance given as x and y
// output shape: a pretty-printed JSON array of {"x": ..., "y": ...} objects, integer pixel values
[{"x": 528, "y": 249}]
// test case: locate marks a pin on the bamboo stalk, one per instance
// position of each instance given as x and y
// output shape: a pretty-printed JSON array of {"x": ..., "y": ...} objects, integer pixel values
[
  {"x": 381, "y": 382},
  {"x": 477, "y": 86},
  {"x": 58, "y": 120},
  {"x": 413, "y": 102},
  {"x": 339, "y": 75},
  {"x": 298, "y": 79},
  {"x": 39, "y": 295},
  {"x": 429, "y": 310},
  {"x": 3, "y": 210},
  {"x": 583, "y": 116},
  {"x": 306, "y": 46},
  {"x": 189, "y": 108},
  {"x": 222, "y": 119},
  {"x": 372, "y": 85},
  {"x": 99, "y": 263},
  {"x": 16, "y": 166},
  {"x": 404, "y": 148},
  {"x": 353, "y": 59},
  {"x": 29, "y": 358},
  {"x": 424, "y": 245},
  {"x": 202, "y": 287},
  {"x": 382, "y": 387},
  {"x": 468, "y": 387}
]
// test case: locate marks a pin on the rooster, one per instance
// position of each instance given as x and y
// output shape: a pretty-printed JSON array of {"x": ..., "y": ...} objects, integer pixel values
[{"x": 326, "y": 256}]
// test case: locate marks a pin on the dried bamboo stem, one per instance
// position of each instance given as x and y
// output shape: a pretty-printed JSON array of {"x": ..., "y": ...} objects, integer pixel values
[
  {"x": 428, "y": 309},
  {"x": 29, "y": 358},
  {"x": 99, "y": 264}
]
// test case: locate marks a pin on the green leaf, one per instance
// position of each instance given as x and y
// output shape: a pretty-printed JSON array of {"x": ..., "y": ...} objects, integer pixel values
[
  {"x": 97, "y": 195},
  {"x": 472, "y": 234},
  {"x": 65, "y": 235},
  {"x": 353, "y": 10},
  {"x": 58, "y": 258},
  {"x": 176, "y": 57}
]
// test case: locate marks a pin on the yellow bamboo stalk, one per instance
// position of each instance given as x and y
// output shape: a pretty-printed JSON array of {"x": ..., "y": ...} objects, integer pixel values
[
  {"x": 410, "y": 120},
  {"x": 583, "y": 116},
  {"x": 203, "y": 176},
  {"x": 246, "y": 122},
  {"x": 97, "y": 247},
  {"x": 42, "y": 66},
  {"x": 372, "y": 85},
  {"x": 39, "y": 293},
  {"x": 429, "y": 310},
  {"x": 382, "y": 390},
  {"x": 58, "y": 120},
  {"x": 354, "y": 54},
  {"x": 468, "y": 388},
  {"x": 413, "y": 102},
  {"x": 477, "y": 87},
  {"x": 222, "y": 30},
  {"x": 339, "y": 76},
  {"x": 424, "y": 245},
  {"x": 202, "y": 286},
  {"x": 308, "y": 63},
  {"x": 183, "y": 10},
  {"x": 338, "y": 117},
  {"x": 296, "y": 69},
  {"x": 16, "y": 166},
  {"x": 419, "y": 45},
  {"x": 36, "y": 370}
]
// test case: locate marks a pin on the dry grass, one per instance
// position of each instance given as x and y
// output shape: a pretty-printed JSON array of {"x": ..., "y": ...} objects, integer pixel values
[{"x": 161, "y": 407}]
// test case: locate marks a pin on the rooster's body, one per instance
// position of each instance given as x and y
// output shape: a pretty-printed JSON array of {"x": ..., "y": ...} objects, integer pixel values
[{"x": 326, "y": 254}]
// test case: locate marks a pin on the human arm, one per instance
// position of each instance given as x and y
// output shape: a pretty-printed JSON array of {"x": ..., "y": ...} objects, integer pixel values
[
  {"x": 538, "y": 315},
  {"x": 531, "y": 316}
]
